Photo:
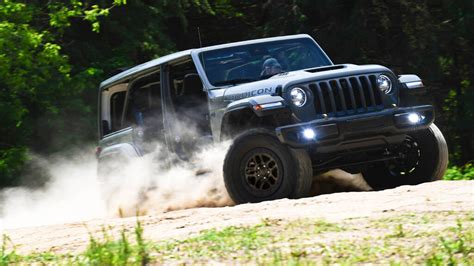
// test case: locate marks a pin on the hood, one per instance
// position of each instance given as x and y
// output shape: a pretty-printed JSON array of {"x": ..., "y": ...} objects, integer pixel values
[{"x": 280, "y": 82}]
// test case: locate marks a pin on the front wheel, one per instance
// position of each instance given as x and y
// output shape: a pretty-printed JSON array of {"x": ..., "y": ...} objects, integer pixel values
[
  {"x": 258, "y": 167},
  {"x": 423, "y": 157}
]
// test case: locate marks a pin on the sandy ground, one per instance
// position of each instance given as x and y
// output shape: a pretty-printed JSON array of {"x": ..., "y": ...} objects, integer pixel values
[{"x": 429, "y": 197}]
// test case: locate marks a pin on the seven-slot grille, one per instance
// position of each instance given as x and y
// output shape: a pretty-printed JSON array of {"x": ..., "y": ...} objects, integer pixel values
[{"x": 346, "y": 95}]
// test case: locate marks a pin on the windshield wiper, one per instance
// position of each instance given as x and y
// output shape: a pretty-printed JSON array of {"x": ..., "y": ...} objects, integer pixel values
[{"x": 233, "y": 81}]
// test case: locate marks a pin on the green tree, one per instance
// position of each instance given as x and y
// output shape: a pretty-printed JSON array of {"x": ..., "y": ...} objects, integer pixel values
[{"x": 35, "y": 96}]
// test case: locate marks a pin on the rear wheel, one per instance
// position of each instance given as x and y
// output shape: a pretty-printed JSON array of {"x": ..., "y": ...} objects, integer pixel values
[
  {"x": 258, "y": 167},
  {"x": 423, "y": 157}
]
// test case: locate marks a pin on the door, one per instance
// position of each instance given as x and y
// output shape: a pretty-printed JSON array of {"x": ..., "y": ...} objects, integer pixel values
[
  {"x": 143, "y": 113},
  {"x": 186, "y": 108}
]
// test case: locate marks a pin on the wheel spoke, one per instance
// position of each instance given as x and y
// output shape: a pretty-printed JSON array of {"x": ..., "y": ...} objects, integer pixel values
[
  {"x": 409, "y": 158},
  {"x": 250, "y": 171},
  {"x": 261, "y": 171}
]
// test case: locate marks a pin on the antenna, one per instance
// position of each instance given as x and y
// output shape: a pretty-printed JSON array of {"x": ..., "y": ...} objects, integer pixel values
[
  {"x": 199, "y": 36},
  {"x": 202, "y": 55}
]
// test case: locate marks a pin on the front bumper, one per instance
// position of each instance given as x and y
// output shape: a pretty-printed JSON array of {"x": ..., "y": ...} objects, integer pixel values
[{"x": 364, "y": 129}]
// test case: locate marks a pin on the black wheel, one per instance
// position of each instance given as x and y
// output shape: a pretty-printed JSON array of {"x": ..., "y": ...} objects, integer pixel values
[
  {"x": 258, "y": 167},
  {"x": 423, "y": 157}
]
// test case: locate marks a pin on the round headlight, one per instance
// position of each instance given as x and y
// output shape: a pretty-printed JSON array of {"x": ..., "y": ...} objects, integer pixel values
[
  {"x": 298, "y": 96},
  {"x": 384, "y": 83}
]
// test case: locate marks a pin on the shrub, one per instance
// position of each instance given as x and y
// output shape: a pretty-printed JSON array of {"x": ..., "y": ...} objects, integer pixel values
[{"x": 465, "y": 172}]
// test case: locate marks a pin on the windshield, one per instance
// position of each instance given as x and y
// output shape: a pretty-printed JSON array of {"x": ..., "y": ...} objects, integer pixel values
[{"x": 247, "y": 63}]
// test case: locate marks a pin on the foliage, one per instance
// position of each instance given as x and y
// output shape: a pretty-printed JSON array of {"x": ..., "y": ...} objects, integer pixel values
[
  {"x": 465, "y": 172},
  {"x": 454, "y": 250},
  {"x": 37, "y": 92},
  {"x": 104, "y": 251},
  {"x": 117, "y": 252},
  {"x": 7, "y": 254},
  {"x": 435, "y": 238},
  {"x": 29, "y": 60}
]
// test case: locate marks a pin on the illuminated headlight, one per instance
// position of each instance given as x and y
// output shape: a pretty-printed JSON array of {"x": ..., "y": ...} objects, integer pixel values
[
  {"x": 414, "y": 118},
  {"x": 384, "y": 83},
  {"x": 309, "y": 133},
  {"x": 298, "y": 96}
]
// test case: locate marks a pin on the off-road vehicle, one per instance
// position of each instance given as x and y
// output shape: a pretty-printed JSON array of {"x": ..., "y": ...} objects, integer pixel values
[{"x": 290, "y": 112}]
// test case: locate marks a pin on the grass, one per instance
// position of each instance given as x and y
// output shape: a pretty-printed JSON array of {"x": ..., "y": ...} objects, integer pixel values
[
  {"x": 244, "y": 244},
  {"x": 103, "y": 251},
  {"x": 441, "y": 238},
  {"x": 117, "y": 252},
  {"x": 455, "y": 250}
]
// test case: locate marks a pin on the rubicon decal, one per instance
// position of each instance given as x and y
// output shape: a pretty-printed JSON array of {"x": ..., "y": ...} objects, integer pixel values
[{"x": 249, "y": 94}]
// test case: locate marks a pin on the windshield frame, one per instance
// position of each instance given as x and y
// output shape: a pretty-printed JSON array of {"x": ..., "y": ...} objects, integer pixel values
[{"x": 196, "y": 54}]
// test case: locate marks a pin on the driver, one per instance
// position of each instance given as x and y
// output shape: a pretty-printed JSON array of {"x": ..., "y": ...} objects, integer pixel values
[{"x": 271, "y": 67}]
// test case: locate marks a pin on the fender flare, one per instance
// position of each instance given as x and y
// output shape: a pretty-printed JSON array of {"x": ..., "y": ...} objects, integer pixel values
[{"x": 260, "y": 106}]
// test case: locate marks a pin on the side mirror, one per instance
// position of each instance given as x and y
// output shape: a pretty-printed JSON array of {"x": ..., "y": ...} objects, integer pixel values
[{"x": 410, "y": 81}]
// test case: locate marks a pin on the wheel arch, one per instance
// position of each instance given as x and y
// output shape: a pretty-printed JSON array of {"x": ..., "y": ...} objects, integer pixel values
[
  {"x": 242, "y": 114},
  {"x": 239, "y": 120}
]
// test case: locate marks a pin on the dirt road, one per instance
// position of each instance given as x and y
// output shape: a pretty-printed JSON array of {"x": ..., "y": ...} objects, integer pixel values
[{"x": 436, "y": 196}]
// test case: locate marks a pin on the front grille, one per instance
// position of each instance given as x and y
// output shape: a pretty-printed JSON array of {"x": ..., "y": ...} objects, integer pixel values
[{"x": 347, "y": 95}]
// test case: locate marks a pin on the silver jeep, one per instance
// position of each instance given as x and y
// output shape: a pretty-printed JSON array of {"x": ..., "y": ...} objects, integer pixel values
[{"x": 290, "y": 112}]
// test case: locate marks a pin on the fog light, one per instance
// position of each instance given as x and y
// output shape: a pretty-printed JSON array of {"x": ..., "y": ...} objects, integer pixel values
[
  {"x": 309, "y": 133},
  {"x": 414, "y": 118}
]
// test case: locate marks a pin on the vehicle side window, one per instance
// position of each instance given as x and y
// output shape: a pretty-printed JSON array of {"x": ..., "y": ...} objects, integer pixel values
[
  {"x": 117, "y": 101},
  {"x": 188, "y": 97},
  {"x": 144, "y": 108},
  {"x": 139, "y": 103}
]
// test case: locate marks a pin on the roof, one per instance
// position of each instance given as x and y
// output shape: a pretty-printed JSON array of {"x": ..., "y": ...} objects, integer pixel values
[{"x": 122, "y": 76}]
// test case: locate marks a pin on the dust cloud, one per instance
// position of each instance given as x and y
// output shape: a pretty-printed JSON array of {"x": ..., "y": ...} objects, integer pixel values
[
  {"x": 146, "y": 185},
  {"x": 154, "y": 183}
]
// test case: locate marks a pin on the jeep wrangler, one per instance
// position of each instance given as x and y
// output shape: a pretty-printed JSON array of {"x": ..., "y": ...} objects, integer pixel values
[{"x": 290, "y": 112}]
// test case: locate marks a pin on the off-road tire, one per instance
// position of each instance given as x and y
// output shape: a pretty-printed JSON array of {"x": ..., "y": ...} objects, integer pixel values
[
  {"x": 294, "y": 180},
  {"x": 431, "y": 166}
]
